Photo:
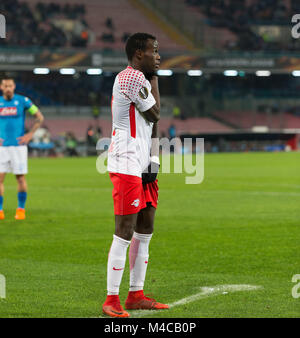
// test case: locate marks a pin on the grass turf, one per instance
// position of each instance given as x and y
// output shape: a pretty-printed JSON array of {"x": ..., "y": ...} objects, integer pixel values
[{"x": 240, "y": 226}]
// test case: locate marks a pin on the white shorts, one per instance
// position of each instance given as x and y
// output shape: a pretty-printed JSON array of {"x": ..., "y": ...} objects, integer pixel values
[{"x": 14, "y": 160}]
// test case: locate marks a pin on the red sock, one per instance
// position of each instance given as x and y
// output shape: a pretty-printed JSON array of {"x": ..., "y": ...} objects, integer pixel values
[
  {"x": 135, "y": 294},
  {"x": 111, "y": 299}
]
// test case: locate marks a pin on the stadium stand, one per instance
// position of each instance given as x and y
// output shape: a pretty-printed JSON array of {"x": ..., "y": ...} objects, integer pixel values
[
  {"x": 39, "y": 25},
  {"x": 211, "y": 35},
  {"x": 238, "y": 22},
  {"x": 211, "y": 103},
  {"x": 247, "y": 120},
  {"x": 71, "y": 23}
]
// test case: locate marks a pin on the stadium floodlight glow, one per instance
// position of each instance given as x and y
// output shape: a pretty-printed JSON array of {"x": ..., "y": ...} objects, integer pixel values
[
  {"x": 67, "y": 71},
  {"x": 230, "y": 72},
  {"x": 260, "y": 129},
  {"x": 41, "y": 71},
  {"x": 262, "y": 73},
  {"x": 94, "y": 71},
  {"x": 296, "y": 72},
  {"x": 164, "y": 72},
  {"x": 194, "y": 72}
]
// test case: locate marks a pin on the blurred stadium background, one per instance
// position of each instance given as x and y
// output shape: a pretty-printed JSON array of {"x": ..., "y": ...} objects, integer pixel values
[{"x": 230, "y": 69}]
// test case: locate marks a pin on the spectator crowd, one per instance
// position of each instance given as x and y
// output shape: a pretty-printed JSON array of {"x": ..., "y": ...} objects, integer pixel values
[
  {"x": 241, "y": 16},
  {"x": 43, "y": 24}
]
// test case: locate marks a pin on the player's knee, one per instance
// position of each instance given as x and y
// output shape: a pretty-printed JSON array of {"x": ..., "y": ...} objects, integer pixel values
[
  {"x": 125, "y": 233},
  {"x": 145, "y": 228},
  {"x": 21, "y": 182},
  {"x": 124, "y": 229},
  {"x": 21, "y": 179}
]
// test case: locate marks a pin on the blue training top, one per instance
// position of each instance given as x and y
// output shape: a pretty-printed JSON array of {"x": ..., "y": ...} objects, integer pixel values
[{"x": 12, "y": 118}]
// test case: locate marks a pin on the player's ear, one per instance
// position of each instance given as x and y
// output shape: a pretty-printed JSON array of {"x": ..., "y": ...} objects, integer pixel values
[{"x": 139, "y": 54}]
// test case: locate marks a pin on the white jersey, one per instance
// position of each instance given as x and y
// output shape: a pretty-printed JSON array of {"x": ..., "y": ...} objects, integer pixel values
[{"x": 129, "y": 151}]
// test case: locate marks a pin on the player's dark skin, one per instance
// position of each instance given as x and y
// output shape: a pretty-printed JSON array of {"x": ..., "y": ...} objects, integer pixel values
[{"x": 147, "y": 62}]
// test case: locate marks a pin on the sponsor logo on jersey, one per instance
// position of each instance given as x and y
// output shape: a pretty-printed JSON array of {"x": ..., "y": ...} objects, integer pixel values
[
  {"x": 143, "y": 93},
  {"x": 8, "y": 111},
  {"x": 136, "y": 202}
]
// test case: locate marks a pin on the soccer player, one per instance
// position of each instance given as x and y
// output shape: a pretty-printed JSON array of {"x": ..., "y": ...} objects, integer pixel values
[
  {"x": 13, "y": 140},
  {"x": 135, "y": 113}
]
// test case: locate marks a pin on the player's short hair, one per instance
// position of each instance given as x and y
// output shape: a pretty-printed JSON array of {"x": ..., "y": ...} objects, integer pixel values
[
  {"x": 7, "y": 77},
  {"x": 137, "y": 41}
]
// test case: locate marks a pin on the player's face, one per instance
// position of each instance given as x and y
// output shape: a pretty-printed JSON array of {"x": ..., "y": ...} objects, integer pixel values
[
  {"x": 151, "y": 59},
  {"x": 8, "y": 88}
]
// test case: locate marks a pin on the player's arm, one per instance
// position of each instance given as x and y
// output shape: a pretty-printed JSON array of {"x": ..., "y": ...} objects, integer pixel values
[
  {"x": 150, "y": 174},
  {"x": 153, "y": 114},
  {"x": 38, "y": 120}
]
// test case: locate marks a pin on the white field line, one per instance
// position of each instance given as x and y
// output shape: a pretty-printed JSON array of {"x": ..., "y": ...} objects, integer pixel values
[
  {"x": 268, "y": 193},
  {"x": 206, "y": 291}
]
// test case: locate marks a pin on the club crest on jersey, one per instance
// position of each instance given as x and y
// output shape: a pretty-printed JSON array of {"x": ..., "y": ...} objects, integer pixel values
[
  {"x": 143, "y": 93},
  {"x": 136, "y": 202},
  {"x": 8, "y": 111}
]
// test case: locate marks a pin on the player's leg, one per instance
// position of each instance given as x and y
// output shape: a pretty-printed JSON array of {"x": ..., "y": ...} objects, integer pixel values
[
  {"x": 139, "y": 248},
  {"x": 2, "y": 177},
  {"x": 139, "y": 254},
  {"x": 22, "y": 191},
  {"x": 126, "y": 194},
  {"x": 19, "y": 162},
  {"x": 5, "y": 167},
  {"x": 118, "y": 251},
  {"x": 22, "y": 196},
  {"x": 124, "y": 225}
]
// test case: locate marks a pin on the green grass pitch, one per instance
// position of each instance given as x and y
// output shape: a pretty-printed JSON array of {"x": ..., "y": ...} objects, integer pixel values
[{"x": 240, "y": 226}]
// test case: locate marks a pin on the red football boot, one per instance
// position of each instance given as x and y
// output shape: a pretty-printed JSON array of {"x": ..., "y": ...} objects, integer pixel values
[
  {"x": 136, "y": 300},
  {"x": 113, "y": 308}
]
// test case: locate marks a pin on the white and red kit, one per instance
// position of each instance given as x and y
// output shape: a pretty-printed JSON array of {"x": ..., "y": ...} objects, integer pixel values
[{"x": 129, "y": 151}]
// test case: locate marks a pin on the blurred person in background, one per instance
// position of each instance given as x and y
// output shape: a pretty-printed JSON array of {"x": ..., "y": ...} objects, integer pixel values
[
  {"x": 172, "y": 131},
  {"x": 71, "y": 144},
  {"x": 14, "y": 140},
  {"x": 176, "y": 112}
]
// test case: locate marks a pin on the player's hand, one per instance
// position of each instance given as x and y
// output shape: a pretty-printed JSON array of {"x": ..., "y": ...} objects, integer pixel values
[
  {"x": 150, "y": 174},
  {"x": 25, "y": 139}
]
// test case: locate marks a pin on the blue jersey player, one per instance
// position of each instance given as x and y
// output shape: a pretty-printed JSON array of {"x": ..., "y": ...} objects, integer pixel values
[{"x": 14, "y": 140}]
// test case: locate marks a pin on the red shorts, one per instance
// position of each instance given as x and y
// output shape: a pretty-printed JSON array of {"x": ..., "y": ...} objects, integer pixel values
[{"x": 130, "y": 195}]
